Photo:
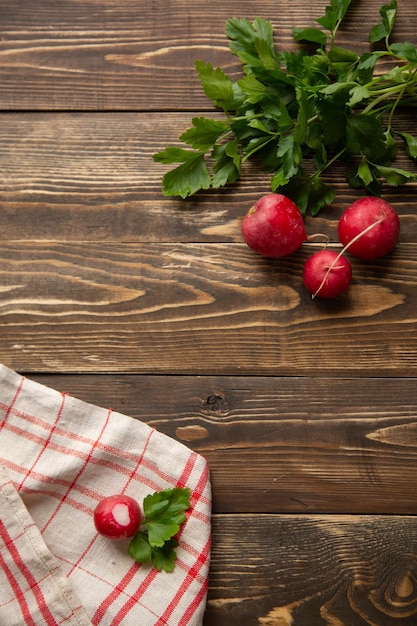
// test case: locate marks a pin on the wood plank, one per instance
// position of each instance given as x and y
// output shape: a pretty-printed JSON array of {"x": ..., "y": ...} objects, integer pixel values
[
  {"x": 274, "y": 570},
  {"x": 306, "y": 411},
  {"x": 125, "y": 55},
  {"x": 280, "y": 444},
  {"x": 91, "y": 177},
  {"x": 200, "y": 309}
]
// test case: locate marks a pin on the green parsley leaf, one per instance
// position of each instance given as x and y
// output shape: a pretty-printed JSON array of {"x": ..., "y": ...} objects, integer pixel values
[
  {"x": 164, "y": 513},
  {"x": 139, "y": 548},
  {"x": 405, "y": 50},
  {"x": 204, "y": 134},
  {"x": 297, "y": 111},
  {"x": 189, "y": 177},
  {"x": 216, "y": 85},
  {"x": 251, "y": 42},
  {"x": 319, "y": 194},
  {"x": 154, "y": 543},
  {"x": 252, "y": 88},
  {"x": 291, "y": 155},
  {"x": 279, "y": 179},
  {"x": 388, "y": 13},
  {"x": 365, "y": 177},
  {"x": 367, "y": 60},
  {"x": 365, "y": 172},
  {"x": 164, "y": 557},
  {"x": 332, "y": 121},
  {"x": 365, "y": 135},
  {"x": 227, "y": 163},
  {"x": 366, "y": 66},
  {"x": 341, "y": 88},
  {"x": 342, "y": 55},
  {"x": 395, "y": 176},
  {"x": 391, "y": 148},
  {"x": 411, "y": 145},
  {"x": 309, "y": 193},
  {"x": 334, "y": 13},
  {"x": 312, "y": 35},
  {"x": 358, "y": 93},
  {"x": 266, "y": 51}
]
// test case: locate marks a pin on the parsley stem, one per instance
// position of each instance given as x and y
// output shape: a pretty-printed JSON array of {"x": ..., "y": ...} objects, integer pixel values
[
  {"x": 384, "y": 95},
  {"x": 384, "y": 78},
  {"x": 394, "y": 106},
  {"x": 390, "y": 89},
  {"x": 245, "y": 118},
  {"x": 334, "y": 32},
  {"x": 258, "y": 147},
  {"x": 329, "y": 162}
]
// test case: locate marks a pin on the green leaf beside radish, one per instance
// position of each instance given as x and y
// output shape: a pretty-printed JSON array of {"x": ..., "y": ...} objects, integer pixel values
[{"x": 299, "y": 111}]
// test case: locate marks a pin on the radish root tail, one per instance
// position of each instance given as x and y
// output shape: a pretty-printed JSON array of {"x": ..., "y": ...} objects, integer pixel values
[{"x": 346, "y": 247}]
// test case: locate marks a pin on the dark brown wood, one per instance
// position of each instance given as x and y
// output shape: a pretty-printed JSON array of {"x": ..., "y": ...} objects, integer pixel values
[
  {"x": 102, "y": 55},
  {"x": 200, "y": 309},
  {"x": 91, "y": 177},
  {"x": 306, "y": 410},
  {"x": 280, "y": 444},
  {"x": 314, "y": 570}
]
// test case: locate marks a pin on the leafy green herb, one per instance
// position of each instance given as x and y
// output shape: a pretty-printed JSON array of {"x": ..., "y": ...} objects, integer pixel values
[
  {"x": 164, "y": 513},
  {"x": 298, "y": 112}
]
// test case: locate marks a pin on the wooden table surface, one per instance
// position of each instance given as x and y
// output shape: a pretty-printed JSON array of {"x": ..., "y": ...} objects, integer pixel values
[{"x": 306, "y": 410}]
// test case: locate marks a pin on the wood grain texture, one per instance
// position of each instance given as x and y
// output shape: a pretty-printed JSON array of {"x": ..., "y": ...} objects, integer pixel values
[
  {"x": 82, "y": 177},
  {"x": 200, "y": 309},
  {"x": 280, "y": 444},
  {"x": 128, "y": 55},
  {"x": 313, "y": 570},
  {"x": 306, "y": 411}
]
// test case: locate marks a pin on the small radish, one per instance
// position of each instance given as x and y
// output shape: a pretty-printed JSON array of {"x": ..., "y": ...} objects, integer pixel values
[
  {"x": 327, "y": 274},
  {"x": 274, "y": 226},
  {"x": 117, "y": 517},
  {"x": 369, "y": 228}
]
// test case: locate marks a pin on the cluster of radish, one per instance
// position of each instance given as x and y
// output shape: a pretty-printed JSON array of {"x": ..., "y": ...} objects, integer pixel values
[{"x": 368, "y": 229}]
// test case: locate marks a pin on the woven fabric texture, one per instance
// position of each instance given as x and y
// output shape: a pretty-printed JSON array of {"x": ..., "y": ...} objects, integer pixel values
[{"x": 59, "y": 457}]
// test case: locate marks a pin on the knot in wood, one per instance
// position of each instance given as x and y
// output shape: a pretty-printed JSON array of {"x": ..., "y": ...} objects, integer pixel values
[{"x": 215, "y": 402}]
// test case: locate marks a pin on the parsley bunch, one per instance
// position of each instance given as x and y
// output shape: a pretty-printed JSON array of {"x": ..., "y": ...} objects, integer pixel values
[
  {"x": 298, "y": 112},
  {"x": 154, "y": 543}
]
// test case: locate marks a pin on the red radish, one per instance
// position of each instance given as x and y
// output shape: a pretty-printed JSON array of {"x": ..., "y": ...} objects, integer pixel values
[
  {"x": 274, "y": 226},
  {"x": 369, "y": 228},
  {"x": 117, "y": 517},
  {"x": 327, "y": 274}
]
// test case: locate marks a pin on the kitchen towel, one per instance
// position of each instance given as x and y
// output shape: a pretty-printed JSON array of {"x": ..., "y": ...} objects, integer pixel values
[{"x": 59, "y": 457}]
